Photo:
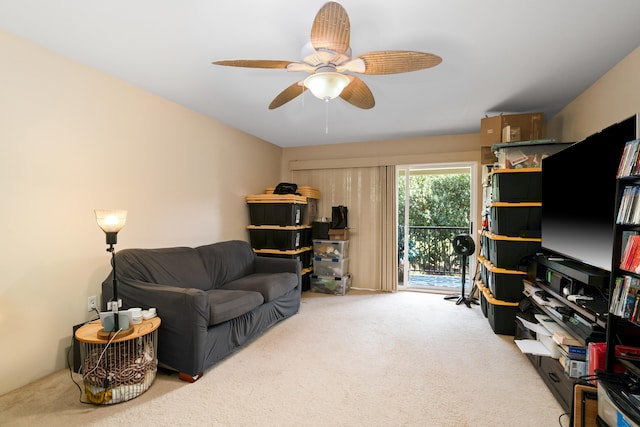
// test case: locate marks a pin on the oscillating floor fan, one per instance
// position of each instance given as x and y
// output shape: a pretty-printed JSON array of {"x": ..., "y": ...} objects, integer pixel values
[{"x": 464, "y": 246}]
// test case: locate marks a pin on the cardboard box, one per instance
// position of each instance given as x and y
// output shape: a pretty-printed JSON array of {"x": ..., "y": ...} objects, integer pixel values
[
  {"x": 338, "y": 234},
  {"x": 488, "y": 157},
  {"x": 511, "y": 134},
  {"x": 531, "y": 127}
]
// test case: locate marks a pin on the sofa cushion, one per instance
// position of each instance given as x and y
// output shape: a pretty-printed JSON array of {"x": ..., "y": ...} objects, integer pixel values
[
  {"x": 271, "y": 285},
  {"x": 180, "y": 266},
  {"x": 228, "y": 304},
  {"x": 227, "y": 261}
]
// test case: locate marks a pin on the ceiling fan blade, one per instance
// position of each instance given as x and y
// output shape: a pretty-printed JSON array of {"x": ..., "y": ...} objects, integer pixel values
[
  {"x": 287, "y": 95},
  {"x": 253, "y": 63},
  {"x": 358, "y": 94},
  {"x": 331, "y": 28},
  {"x": 301, "y": 66},
  {"x": 397, "y": 61}
]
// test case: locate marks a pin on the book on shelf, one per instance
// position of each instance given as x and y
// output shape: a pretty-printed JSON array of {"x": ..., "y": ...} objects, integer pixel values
[
  {"x": 629, "y": 161},
  {"x": 629, "y": 209},
  {"x": 625, "y": 298},
  {"x": 564, "y": 338},
  {"x": 577, "y": 352},
  {"x": 631, "y": 244},
  {"x": 623, "y": 159}
]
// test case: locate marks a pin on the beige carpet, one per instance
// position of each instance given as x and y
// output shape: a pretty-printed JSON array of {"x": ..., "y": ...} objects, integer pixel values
[{"x": 363, "y": 359}]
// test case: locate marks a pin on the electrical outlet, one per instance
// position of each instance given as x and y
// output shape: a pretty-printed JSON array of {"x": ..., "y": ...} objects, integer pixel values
[{"x": 91, "y": 303}]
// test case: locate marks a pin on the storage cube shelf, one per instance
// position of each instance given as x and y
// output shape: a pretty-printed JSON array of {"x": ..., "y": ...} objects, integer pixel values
[
  {"x": 330, "y": 267},
  {"x": 501, "y": 314},
  {"x": 516, "y": 219},
  {"x": 306, "y": 279},
  {"x": 505, "y": 285},
  {"x": 330, "y": 284},
  {"x": 281, "y": 226},
  {"x": 275, "y": 209},
  {"x": 332, "y": 249},
  {"x": 282, "y": 238},
  {"x": 516, "y": 185},
  {"x": 511, "y": 252}
]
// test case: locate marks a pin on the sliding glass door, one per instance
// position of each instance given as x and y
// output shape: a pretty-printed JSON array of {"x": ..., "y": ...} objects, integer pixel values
[{"x": 434, "y": 204}]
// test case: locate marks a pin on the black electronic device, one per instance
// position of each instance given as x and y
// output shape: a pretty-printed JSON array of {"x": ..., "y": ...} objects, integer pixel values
[
  {"x": 573, "y": 270},
  {"x": 578, "y": 196},
  {"x": 464, "y": 246}
]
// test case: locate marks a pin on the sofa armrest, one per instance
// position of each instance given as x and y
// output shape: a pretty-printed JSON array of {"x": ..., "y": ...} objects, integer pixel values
[{"x": 184, "y": 313}]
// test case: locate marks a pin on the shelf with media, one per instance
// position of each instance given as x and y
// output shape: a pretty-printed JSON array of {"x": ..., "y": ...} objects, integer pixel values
[
  {"x": 625, "y": 279},
  {"x": 622, "y": 362},
  {"x": 590, "y": 215}
]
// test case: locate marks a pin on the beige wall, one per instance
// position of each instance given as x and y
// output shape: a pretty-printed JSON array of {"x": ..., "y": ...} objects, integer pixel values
[
  {"x": 611, "y": 99},
  {"x": 74, "y": 139}
]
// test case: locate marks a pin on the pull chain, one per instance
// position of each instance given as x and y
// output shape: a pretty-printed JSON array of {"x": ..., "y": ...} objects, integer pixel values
[{"x": 326, "y": 114}]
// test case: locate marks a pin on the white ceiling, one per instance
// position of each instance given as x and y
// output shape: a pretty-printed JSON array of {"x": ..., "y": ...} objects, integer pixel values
[{"x": 499, "y": 56}]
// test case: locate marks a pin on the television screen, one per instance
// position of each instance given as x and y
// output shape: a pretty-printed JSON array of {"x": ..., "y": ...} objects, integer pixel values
[{"x": 578, "y": 196}]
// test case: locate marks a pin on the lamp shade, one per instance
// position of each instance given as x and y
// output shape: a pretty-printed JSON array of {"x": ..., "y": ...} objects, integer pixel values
[
  {"x": 111, "y": 220},
  {"x": 326, "y": 85}
]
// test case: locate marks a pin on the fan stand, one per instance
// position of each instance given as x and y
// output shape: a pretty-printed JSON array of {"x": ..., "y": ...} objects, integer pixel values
[{"x": 461, "y": 298}]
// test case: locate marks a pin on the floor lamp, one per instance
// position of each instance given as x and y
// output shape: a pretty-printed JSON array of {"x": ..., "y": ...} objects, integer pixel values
[{"x": 111, "y": 221}]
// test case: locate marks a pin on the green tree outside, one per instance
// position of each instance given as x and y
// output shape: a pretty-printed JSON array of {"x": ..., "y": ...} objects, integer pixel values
[{"x": 438, "y": 210}]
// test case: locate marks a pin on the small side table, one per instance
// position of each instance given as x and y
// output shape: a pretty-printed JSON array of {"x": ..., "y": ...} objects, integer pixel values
[{"x": 117, "y": 369}]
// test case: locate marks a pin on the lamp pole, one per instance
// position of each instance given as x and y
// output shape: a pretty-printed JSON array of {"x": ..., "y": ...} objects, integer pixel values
[{"x": 114, "y": 301}]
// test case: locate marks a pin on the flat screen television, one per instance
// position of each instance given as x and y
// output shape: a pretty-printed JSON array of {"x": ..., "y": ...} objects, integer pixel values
[{"x": 578, "y": 196}]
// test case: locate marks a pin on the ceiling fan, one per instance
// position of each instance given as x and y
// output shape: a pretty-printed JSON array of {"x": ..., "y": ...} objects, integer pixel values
[{"x": 327, "y": 57}]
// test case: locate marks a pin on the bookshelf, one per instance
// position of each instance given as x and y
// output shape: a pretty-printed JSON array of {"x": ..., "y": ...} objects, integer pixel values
[{"x": 623, "y": 326}]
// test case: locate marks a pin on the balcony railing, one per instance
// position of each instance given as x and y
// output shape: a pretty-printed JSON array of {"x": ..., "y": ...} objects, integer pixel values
[{"x": 430, "y": 250}]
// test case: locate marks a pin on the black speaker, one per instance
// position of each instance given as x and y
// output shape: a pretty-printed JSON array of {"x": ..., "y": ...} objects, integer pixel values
[{"x": 339, "y": 216}]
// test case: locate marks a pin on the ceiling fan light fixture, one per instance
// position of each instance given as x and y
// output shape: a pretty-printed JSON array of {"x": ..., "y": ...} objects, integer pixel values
[{"x": 326, "y": 85}]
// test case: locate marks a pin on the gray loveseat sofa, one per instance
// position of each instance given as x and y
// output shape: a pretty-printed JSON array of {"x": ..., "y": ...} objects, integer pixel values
[{"x": 211, "y": 299}]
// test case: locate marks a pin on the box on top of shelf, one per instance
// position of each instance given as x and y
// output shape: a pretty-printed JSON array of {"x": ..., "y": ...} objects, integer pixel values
[
  {"x": 330, "y": 284},
  {"x": 526, "y": 154},
  {"x": 516, "y": 185},
  {"x": 283, "y": 238},
  {"x": 530, "y": 126},
  {"x": 338, "y": 234},
  {"x": 330, "y": 267},
  {"x": 276, "y": 209},
  {"x": 516, "y": 219},
  {"x": 336, "y": 249}
]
